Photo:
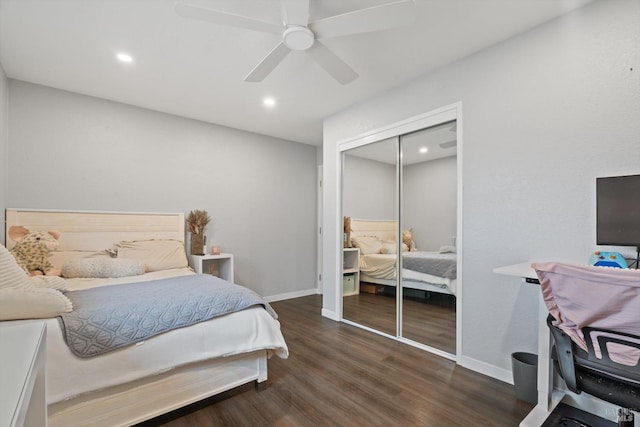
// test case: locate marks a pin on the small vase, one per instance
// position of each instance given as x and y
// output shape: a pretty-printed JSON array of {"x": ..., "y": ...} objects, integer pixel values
[{"x": 197, "y": 242}]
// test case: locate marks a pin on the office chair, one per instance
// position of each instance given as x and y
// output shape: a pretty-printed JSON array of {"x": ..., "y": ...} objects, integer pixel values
[
  {"x": 595, "y": 324},
  {"x": 600, "y": 377}
]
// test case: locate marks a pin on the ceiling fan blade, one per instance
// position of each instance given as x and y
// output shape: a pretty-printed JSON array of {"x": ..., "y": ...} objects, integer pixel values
[
  {"x": 268, "y": 63},
  {"x": 226, "y": 18},
  {"x": 333, "y": 65},
  {"x": 296, "y": 12},
  {"x": 383, "y": 17}
]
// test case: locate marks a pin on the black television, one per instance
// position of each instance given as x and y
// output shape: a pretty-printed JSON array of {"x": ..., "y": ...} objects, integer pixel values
[{"x": 618, "y": 211}]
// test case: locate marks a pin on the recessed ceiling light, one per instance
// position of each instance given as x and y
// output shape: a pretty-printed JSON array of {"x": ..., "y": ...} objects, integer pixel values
[
  {"x": 269, "y": 102},
  {"x": 423, "y": 150},
  {"x": 123, "y": 57}
]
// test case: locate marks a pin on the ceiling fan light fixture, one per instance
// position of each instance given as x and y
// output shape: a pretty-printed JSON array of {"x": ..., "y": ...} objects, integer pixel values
[
  {"x": 302, "y": 34},
  {"x": 298, "y": 38}
]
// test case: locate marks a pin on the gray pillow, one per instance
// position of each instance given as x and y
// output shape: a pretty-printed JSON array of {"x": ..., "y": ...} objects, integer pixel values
[{"x": 102, "y": 268}]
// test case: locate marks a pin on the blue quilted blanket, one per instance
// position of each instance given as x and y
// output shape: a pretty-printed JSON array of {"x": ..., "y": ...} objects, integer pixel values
[{"x": 109, "y": 317}]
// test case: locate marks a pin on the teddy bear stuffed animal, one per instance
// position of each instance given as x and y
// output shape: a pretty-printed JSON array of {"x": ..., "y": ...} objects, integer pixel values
[
  {"x": 407, "y": 239},
  {"x": 32, "y": 249}
]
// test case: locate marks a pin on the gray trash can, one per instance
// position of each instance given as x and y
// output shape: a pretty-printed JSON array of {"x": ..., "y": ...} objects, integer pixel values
[{"x": 525, "y": 376}]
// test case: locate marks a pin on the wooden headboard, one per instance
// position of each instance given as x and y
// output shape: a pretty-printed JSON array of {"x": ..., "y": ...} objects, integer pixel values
[
  {"x": 95, "y": 231},
  {"x": 385, "y": 230}
]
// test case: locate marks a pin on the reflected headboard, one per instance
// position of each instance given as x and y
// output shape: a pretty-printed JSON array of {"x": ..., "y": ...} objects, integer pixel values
[
  {"x": 385, "y": 230},
  {"x": 96, "y": 231}
]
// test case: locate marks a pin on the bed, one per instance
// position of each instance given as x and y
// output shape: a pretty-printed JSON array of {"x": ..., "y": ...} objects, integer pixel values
[
  {"x": 432, "y": 271},
  {"x": 152, "y": 376}
]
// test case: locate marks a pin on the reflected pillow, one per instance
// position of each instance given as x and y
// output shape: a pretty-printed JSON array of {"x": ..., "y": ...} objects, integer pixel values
[
  {"x": 392, "y": 248},
  {"x": 389, "y": 248},
  {"x": 367, "y": 244}
]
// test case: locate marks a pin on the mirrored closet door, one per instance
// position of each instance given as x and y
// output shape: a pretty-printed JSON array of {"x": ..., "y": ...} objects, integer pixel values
[
  {"x": 429, "y": 218},
  {"x": 370, "y": 206},
  {"x": 400, "y": 262}
]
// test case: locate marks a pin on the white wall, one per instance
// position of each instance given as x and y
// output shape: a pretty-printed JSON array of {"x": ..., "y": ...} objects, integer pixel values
[
  {"x": 4, "y": 100},
  {"x": 545, "y": 113},
  {"x": 429, "y": 202},
  {"x": 69, "y": 151}
]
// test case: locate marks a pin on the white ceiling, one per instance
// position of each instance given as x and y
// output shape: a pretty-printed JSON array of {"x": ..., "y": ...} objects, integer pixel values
[{"x": 195, "y": 69}]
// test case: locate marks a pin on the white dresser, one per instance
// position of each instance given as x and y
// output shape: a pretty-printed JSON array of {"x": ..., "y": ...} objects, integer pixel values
[{"x": 22, "y": 374}]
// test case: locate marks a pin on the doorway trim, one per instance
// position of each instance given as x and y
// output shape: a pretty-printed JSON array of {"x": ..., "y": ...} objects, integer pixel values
[{"x": 431, "y": 118}]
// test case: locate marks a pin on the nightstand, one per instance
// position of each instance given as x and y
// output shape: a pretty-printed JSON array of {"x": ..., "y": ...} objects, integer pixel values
[
  {"x": 217, "y": 265},
  {"x": 350, "y": 271},
  {"x": 23, "y": 399}
]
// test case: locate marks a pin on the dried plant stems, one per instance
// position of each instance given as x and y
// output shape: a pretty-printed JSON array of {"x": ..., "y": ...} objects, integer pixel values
[{"x": 197, "y": 221}]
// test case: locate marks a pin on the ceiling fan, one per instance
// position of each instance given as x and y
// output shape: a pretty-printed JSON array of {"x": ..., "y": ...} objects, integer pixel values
[{"x": 298, "y": 33}]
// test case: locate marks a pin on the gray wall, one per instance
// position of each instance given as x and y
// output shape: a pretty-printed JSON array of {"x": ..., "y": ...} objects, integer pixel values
[
  {"x": 70, "y": 151},
  {"x": 545, "y": 113},
  {"x": 4, "y": 100},
  {"x": 429, "y": 202},
  {"x": 369, "y": 189}
]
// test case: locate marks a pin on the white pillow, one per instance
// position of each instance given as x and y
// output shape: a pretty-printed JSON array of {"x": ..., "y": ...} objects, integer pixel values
[
  {"x": 51, "y": 282},
  {"x": 367, "y": 244},
  {"x": 34, "y": 303},
  {"x": 11, "y": 275},
  {"x": 21, "y": 299},
  {"x": 60, "y": 258},
  {"x": 156, "y": 255},
  {"x": 102, "y": 267}
]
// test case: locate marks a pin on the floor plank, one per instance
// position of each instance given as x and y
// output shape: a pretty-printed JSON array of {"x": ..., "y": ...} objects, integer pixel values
[{"x": 340, "y": 375}]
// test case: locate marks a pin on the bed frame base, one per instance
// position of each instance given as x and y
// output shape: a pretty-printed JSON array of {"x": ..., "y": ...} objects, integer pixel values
[
  {"x": 406, "y": 283},
  {"x": 141, "y": 400}
]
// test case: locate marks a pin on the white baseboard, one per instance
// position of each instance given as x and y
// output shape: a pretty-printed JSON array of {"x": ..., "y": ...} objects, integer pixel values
[
  {"x": 330, "y": 314},
  {"x": 291, "y": 295},
  {"x": 486, "y": 369}
]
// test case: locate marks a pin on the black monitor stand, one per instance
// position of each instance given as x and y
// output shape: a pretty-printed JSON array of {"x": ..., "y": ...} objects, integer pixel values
[{"x": 636, "y": 262}]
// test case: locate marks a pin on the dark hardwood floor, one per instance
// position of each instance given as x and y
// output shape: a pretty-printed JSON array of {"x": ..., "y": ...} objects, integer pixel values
[
  {"x": 429, "y": 321},
  {"x": 340, "y": 375}
]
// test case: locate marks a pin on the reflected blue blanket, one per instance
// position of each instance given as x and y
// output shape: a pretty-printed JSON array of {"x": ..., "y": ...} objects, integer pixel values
[{"x": 433, "y": 263}]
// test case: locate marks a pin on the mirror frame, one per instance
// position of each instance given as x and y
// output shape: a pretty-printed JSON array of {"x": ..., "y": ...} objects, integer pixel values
[{"x": 432, "y": 118}]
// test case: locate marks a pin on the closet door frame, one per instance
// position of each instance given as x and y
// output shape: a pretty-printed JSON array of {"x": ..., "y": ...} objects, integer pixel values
[{"x": 432, "y": 118}]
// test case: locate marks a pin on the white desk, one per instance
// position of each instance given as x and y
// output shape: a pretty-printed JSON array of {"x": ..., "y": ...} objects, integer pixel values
[
  {"x": 551, "y": 390},
  {"x": 22, "y": 375}
]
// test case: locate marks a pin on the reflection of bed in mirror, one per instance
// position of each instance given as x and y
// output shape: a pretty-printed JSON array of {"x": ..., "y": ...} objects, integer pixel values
[{"x": 432, "y": 271}]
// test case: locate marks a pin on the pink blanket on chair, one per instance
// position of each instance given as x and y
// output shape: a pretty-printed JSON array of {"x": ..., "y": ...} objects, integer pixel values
[{"x": 600, "y": 297}]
